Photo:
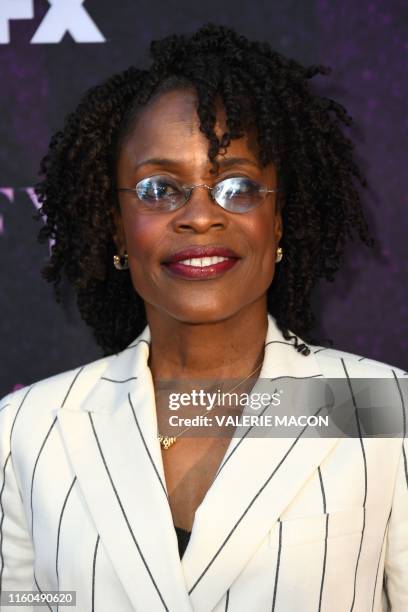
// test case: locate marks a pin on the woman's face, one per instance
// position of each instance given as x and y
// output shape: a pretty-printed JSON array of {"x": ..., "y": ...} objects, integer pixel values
[{"x": 167, "y": 131}]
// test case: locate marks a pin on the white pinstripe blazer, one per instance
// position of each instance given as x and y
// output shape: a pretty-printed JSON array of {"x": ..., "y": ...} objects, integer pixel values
[{"x": 288, "y": 525}]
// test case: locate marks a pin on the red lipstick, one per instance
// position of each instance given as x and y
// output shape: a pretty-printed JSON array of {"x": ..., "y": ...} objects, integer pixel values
[{"x": 180, "y": 264}]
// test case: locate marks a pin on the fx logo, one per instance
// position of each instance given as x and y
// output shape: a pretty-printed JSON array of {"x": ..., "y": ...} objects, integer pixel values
[{"x": 62, "y": 16}]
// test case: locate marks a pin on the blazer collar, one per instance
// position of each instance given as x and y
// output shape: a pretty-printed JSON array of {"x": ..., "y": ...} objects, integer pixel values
[{"x": 111, "y": 440}]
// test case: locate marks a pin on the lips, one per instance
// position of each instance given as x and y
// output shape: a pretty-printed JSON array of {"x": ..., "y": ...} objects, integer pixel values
[
  {"x": 181, "y": 263},
  {"x": 200, "y": 252}
]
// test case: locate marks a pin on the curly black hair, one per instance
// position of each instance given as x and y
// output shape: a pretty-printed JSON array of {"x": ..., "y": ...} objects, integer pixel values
[{"x": 299, "y": 131}]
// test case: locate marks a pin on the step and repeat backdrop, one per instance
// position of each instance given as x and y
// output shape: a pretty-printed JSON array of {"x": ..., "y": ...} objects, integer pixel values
[{"x": 51, "y": 51}]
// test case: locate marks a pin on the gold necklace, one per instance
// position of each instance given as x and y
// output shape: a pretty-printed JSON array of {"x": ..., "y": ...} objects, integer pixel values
[{"x": 167, "y": 441}]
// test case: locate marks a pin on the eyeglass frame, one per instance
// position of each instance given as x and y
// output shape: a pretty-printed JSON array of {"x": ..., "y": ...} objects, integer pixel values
[{"x": 188, "y": 189}]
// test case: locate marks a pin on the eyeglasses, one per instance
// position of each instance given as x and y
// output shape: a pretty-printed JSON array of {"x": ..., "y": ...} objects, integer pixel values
[{"x": 158, "y": 194}]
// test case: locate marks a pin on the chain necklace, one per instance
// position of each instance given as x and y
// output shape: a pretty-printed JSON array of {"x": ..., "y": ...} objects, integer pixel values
[{"x": 167, "y": 441}]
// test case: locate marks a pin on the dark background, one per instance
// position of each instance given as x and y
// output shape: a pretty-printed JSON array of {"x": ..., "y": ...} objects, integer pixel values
[{"x": 364, "y": 311}]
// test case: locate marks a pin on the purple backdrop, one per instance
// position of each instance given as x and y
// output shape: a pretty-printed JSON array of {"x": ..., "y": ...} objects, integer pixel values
[{"x": 46, "y": 64}]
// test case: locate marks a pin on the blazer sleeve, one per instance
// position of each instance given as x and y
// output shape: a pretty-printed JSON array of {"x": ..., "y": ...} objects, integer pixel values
[
  {"x": 396, "y": 556},
  {"x": 16, "y": 550}
]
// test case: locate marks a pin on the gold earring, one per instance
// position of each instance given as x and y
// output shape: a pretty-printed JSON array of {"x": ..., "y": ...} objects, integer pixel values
[
  {"x": 121, "y": 261},
  {"x": 279, "y": 254}
]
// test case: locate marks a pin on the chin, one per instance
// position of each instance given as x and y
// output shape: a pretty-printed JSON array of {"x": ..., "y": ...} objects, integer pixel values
[{"x": 202, "y": 315}]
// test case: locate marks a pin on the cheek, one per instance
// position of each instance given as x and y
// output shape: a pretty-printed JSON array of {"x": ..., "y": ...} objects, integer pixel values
[
  {"x": 262, "y": 232},
  {"x": 142, "y": 234}
]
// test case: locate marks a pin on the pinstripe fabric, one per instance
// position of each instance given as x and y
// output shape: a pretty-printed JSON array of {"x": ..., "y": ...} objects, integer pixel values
[
  {"x": 288, "y": 525},
  {"x": 325, "y": 537},
  {"x": 33, "y": 474},
  {"x": 275, "y": 586},
  {"x": 94, "y": 573},
  {"x": 365, "y": 478}
]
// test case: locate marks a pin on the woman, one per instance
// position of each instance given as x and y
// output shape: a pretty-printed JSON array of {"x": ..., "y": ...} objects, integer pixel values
[{"x": 194, "y": 206}]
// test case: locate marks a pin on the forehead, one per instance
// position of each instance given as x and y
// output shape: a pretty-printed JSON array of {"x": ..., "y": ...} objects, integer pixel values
[{"x": 169, "y": 126}]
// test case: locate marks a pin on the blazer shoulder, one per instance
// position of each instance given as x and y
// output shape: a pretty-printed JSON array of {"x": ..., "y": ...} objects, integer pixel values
[
  {"x": 354, "y": 364},
  {"x": 50, "y": 393}
]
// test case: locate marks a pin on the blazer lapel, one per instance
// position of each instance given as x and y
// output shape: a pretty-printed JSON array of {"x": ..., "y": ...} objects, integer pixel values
[
  {"x": 257, "y": 479},
  {"x": 112, "y": 443}
]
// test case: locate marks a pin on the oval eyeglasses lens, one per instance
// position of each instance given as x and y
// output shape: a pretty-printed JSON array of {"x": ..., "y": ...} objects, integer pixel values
[
  {"x": 159, "y": 194},
  {"x": 238, "y": 194}
]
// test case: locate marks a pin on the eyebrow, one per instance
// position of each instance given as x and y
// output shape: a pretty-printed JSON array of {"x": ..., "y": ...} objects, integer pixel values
[{"x": 224, "y": 163}]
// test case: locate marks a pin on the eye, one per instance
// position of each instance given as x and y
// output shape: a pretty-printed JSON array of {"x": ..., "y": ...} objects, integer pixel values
[
  {"x": 237, "y": 186},
  {"x": 157, "y": 188}
]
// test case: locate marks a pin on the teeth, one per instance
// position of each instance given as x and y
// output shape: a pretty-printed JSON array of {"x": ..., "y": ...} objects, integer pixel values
[{"x": 202, "y": 262}]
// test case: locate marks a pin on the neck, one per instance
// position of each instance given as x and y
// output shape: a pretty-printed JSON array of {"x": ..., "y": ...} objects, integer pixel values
[{"x": 231, "y": 348}]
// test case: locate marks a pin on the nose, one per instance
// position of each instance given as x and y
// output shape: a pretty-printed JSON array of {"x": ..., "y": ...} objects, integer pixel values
[{"x": 200, "y": 213}]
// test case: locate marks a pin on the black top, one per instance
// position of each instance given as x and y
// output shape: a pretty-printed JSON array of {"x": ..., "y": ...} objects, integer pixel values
[{"x": 183, "y": 537}]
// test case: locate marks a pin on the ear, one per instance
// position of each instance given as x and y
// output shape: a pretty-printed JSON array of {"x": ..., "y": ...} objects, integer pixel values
[{"x": 119, "y": 233}]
